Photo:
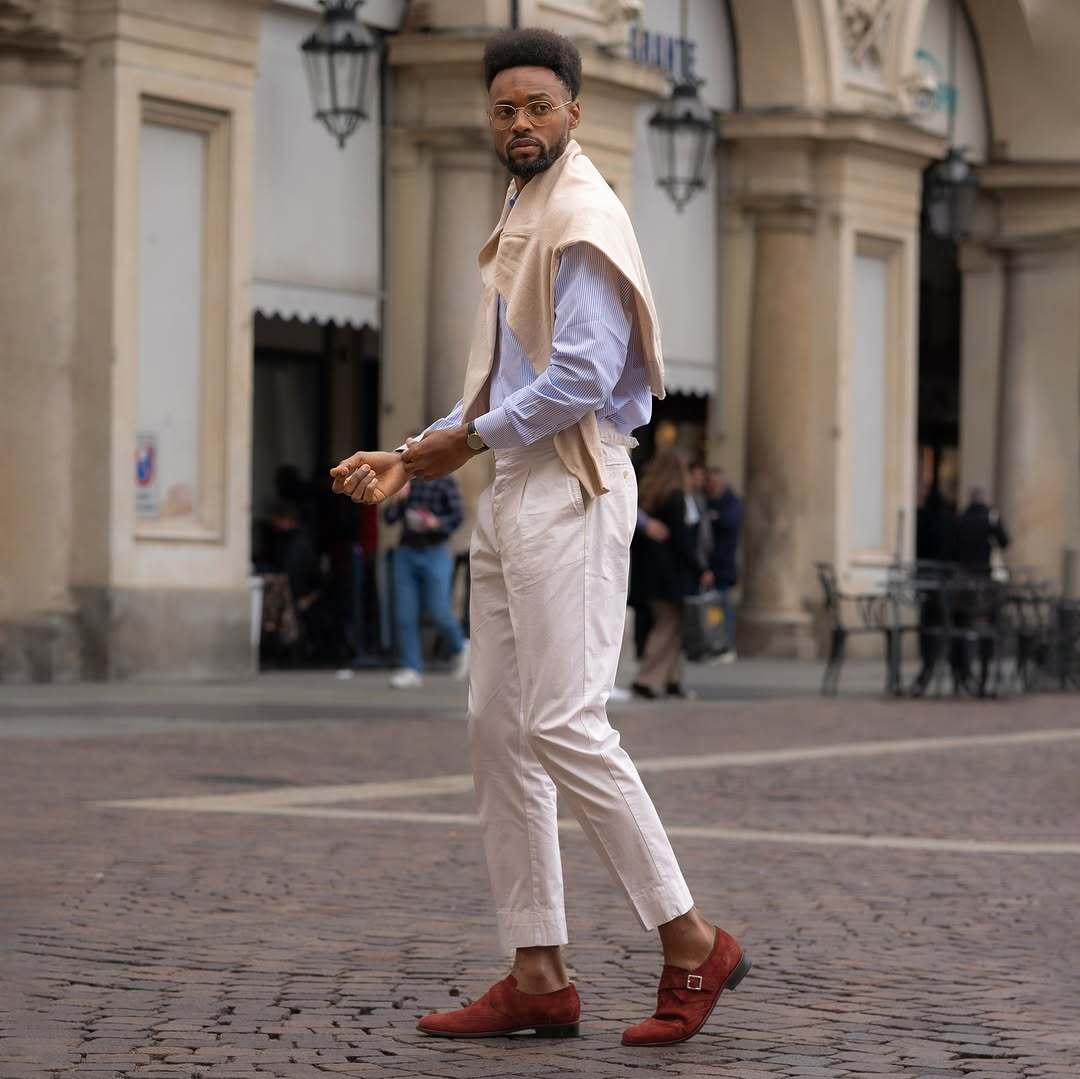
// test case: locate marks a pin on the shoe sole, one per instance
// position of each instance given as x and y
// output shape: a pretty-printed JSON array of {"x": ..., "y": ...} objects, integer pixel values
[
  {"x": 560, "y": 1030},
  {"x": 742, "y": 968}
]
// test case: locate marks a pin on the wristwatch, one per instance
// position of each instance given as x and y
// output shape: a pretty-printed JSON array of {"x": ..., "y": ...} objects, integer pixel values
[{"x": 473, "y": 439}]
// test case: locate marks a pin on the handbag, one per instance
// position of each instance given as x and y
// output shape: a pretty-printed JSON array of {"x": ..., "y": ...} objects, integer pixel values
[{"x": 704, "y": 633}]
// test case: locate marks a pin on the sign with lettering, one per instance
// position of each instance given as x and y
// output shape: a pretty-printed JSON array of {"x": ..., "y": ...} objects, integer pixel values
[{"x": 676, "y": 55}]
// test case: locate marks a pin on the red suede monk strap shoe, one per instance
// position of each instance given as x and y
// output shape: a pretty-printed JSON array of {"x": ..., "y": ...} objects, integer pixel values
[
  {"x": 504, "y": 1009},
  {"x": 686, "y": 998}
]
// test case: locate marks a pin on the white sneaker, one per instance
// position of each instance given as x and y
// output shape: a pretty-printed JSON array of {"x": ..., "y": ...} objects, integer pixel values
[
  {"x": 729, "y": 656},
  {"x": 406, "y": 678},
  {"x": 460, "y": 670},
  {"x": 618, "y": 695}
]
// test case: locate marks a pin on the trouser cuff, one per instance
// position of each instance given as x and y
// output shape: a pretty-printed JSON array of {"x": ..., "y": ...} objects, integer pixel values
[
  {"x": 531, "y": 929},
  {"x": 660, "y": 904}
]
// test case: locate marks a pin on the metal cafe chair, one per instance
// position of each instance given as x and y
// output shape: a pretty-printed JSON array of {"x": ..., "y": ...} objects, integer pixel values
[
  {"x": 974, "y": 626},
  {"x": 848, "y": 615},
  {"x": 1048, "y": 631}
]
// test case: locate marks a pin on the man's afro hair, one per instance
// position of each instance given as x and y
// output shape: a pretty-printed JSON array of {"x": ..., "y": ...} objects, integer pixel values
[{"x": 534, "y": 48}]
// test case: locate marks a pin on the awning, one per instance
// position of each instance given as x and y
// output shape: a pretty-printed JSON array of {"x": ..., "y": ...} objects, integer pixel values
[
  {"x": 685, "y": 376},
  {"x": 310, "y": 303},
  {"x": 316, "y": 207}
]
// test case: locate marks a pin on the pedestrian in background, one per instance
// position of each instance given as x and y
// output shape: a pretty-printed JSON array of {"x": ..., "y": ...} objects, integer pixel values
[
  {"x": 666, "y": 572},
  {"x": 934, "y": 524},
  {"x": 725, "y": 513},
  {"x": 699, "y": 493},
  {"x": 975, "y": 535},
  {"x": 423, "y": 574}
]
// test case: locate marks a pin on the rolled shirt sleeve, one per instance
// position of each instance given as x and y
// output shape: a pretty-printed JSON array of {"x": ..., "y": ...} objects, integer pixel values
[
  {"x": 593, "y": 322},
  {"x": 453, "y": 419}
]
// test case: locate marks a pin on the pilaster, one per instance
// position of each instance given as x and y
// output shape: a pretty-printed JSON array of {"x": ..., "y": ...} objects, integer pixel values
[
  {"x": 1020, "y": 426},
  {"x": 827, "y": 208}
]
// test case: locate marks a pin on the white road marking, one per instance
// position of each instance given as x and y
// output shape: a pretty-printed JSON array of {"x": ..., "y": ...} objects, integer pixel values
[
  {"x": 319, "y": 801},
  {"x": 692, "y": 831},
  {"x": 434, "y": 786}
]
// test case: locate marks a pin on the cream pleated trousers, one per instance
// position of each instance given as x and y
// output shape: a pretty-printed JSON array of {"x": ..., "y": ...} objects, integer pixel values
[{"x": 550, "y": 567}]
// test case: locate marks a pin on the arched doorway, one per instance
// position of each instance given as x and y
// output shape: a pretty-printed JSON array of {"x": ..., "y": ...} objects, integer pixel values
[{"x": 947, "y": 55}]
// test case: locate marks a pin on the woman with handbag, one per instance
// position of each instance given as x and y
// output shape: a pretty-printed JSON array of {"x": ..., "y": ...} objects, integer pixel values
[{"x": 665, "y": 572}]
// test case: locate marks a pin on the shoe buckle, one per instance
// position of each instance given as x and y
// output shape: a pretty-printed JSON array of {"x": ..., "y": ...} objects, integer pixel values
[{"x": 693, "y": 981}]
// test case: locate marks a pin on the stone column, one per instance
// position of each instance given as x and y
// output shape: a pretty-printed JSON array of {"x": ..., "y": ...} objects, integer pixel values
[
  {"x": 467, "y": 201},
  {"x": 38, "y": 313},
  {"x": 1038, "y": 458},
  {"x": 410, "y": 239},
  {"x": 774, "y": 620},
  {"x": 980, "y": 368}
]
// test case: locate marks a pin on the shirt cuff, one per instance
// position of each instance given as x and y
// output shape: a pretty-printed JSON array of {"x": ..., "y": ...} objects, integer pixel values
[{"x": 495, "y": 429}]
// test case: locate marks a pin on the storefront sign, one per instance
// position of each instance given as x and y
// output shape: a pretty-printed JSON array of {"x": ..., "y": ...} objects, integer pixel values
[{"x": 676, "y": 55}]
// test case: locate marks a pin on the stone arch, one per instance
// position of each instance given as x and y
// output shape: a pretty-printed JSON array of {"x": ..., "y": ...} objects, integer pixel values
[
  {"x": 780, "y": 54},
  {"x": 797, "y": 54},
  {"x": 1031, "y": 78}
]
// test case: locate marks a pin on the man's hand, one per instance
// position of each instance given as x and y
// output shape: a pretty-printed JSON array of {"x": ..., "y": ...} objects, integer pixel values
[
  {"x": 438, "y": 453},
  {"x": 657, "y": 530},
  {"x": 370, "y": 477}
]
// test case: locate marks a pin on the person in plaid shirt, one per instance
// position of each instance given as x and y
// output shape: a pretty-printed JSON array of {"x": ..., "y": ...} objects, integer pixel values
[{"x": 431, "y": 511}]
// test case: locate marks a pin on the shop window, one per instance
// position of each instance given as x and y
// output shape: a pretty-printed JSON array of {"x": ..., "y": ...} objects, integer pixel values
[{"x": 183, "y": 257}]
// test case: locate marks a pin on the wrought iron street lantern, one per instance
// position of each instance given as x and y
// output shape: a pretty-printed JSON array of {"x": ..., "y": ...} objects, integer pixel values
[
  {"x": 952, "y": 190},
  {"x": 682, "y": 134},
  {"x": 338, "y": 57},
  {"x": 681, "y": 138}
]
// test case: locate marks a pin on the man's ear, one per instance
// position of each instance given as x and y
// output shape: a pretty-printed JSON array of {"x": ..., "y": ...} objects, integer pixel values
[{"x": 575, "y": 114}]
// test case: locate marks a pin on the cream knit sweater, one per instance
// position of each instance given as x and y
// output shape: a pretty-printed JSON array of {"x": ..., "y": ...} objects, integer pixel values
[{"x": 570, "y": 203}]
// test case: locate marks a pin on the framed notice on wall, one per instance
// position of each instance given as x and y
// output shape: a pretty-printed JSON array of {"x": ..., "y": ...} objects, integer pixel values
[{"x": 146, "y": 476}]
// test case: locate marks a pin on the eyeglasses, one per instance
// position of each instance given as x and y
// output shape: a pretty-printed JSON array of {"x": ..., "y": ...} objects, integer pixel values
[{"x": 503, "y": 117}]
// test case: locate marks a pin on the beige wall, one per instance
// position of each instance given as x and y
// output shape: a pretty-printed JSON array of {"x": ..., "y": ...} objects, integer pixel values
[
  {"x": 38, "y": 126},
  {"x": 824, "y": 165},
  {"x": 72, "y": 303}
]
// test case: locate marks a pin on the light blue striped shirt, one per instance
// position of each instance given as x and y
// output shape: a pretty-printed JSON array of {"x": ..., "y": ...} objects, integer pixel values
[{"x": 597, "y": 361}]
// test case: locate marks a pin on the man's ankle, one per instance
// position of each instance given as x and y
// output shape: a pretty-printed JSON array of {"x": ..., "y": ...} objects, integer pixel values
[
  {"x": 536, "y": 983},
  {"x": 539, "y": 970}
]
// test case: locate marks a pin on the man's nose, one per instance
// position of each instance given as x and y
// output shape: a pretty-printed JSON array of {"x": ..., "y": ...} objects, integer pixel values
[{"x": 522, "y": 123}]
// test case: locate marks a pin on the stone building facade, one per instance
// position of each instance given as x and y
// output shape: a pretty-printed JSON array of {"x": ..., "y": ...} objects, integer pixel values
[{"x": 132, "y": 300}]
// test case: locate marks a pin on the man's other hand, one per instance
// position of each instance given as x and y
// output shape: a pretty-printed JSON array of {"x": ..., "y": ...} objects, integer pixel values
[
  {"x": 370, "y": 477},
  {"x": 438, "y": 453},
  {"x": 657, "y": 530}
]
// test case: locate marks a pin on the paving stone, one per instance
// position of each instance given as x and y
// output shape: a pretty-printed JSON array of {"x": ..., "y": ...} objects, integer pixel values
[{"x": 240, "y": 946}]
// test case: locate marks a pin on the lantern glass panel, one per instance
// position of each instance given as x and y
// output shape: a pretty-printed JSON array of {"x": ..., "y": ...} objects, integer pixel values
[
  {"x": 338, "y": 62},
  {"x": 951, "y": 194},
  {"x": 681, "y": 138}
]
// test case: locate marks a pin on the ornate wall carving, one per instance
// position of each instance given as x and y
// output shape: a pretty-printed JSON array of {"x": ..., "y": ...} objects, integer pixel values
[
  {"x": 27, "y": 29},
  {"x": 866, "y": 26}
]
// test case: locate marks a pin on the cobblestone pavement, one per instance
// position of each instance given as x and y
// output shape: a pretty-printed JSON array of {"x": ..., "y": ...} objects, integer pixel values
[{"x": 905, "y": 877}]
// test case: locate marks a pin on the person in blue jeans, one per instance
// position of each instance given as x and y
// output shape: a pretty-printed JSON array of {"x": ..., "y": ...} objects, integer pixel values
[
  {"x": 423, "y": 571},
  {"x": 725, "y": 511}
]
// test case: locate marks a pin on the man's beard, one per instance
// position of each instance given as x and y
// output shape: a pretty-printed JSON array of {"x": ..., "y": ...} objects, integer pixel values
[{"x": 526, "y": 170}]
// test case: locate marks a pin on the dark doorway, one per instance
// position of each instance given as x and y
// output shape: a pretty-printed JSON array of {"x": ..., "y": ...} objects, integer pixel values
[
  {"x": 680, "y": 419},
  {"x": 315, "y": 399},
  {"x": 940, "y": 309}
]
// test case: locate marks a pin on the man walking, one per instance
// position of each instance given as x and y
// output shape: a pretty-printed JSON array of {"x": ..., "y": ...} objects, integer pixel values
[
  {"x": 564, "y": 358},
  {"x": 423, "y": 574}
]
